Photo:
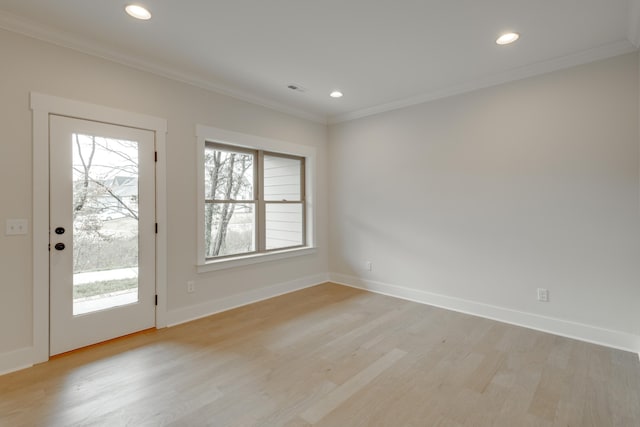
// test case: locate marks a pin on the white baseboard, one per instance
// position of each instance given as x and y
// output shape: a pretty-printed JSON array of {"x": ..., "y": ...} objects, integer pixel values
[
  {"x": 16, "y": 360},
  {"x": 187, "y": 314},
  {"x": 578, "y": 331},
  {"x": 23, "y": 358}
]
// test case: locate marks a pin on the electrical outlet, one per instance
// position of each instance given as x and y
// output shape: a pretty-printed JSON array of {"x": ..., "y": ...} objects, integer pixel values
[
  {"x": 191, "y": 286},
  {"x": 15, "y": 227},
  {"x": 368, "y": 266},
  {"x": 543, "y": 295}
]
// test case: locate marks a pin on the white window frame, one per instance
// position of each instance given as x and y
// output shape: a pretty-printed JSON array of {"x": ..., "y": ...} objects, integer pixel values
[{"x": 241, "y": 140}]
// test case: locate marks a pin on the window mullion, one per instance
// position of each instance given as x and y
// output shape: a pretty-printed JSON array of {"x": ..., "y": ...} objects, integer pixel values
[
  {"x": 303, "y": 199},
  {"x": 260, "y": 205}
]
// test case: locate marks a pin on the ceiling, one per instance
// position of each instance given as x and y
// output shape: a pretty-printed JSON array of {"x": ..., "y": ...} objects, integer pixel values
[{"x": 382, "y": 54}]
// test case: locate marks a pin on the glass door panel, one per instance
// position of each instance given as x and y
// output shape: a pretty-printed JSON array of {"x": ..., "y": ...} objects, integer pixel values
[{"x": 105, "y": 223}]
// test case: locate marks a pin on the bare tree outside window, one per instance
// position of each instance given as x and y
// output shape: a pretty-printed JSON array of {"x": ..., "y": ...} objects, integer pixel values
[
  {"x": 230, "y": 207},
  {"x": 254, "y": 201},
  {"x": 105, "y": 215},
  {"x": 111, "y": 186}
]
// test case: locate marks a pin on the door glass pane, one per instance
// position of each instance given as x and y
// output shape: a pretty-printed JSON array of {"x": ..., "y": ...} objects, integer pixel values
[
  {"x": 105, "y": 223},
  {"x": 281, "y": 178},
  {"x": 229, "y": 228},
  {"x": 284, "y": 225}
]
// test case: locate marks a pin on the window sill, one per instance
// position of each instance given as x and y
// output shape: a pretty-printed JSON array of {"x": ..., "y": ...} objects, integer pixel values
[{"x": 253, "y": 259}]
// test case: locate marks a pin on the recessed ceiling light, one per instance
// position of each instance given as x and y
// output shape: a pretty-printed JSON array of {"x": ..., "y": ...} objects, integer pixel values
[
  {"x": 336, "y": 94},
  {"x": 507, "y": 38},
  {"x": 138, "y": 12}
]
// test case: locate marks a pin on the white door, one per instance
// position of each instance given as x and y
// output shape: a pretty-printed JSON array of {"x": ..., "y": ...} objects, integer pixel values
[{"x": 102, "y": 232}]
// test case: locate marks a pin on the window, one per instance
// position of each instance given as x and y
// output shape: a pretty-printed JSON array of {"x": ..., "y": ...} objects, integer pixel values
[
  {"x": 230, "y": 201},
  {"x": 254, "y": 198},
  {"x": 283, "y": 194}
]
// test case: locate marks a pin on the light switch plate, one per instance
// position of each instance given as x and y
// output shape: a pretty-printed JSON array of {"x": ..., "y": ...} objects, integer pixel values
[{"x": 17, "y": 227}]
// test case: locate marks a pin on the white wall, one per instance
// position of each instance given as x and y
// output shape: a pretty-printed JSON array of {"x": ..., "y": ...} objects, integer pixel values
[
  {"x": 30, "y": 65},
  {"x": 484, "y": 197}
]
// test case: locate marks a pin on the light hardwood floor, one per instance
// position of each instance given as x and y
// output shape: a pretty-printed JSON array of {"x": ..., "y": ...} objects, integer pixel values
[{"x": 331, "y": 356}]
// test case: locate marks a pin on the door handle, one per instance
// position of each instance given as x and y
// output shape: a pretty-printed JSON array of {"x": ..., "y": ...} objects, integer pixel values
[{"x": 59, "y": 246}]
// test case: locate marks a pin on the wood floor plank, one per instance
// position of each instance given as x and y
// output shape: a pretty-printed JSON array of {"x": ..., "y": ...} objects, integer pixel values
[
  {"x": 336, "y": 397},
  {"x": 486, "y": 371},
  {"x": 330, "y": 356},
  {"x": 554, "y": 383}
]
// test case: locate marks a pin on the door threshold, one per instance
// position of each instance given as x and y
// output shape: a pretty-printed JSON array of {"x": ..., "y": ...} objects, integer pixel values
[{"x": 104, "y": 343}]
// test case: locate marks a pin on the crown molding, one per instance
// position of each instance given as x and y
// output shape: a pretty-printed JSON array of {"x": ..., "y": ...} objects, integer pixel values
[
  {"x": 13, "y": 23},
  {"x": 591, "y": 55},
  {"x": 28, "y": 28},
  {"x": 633, "y": 32}
]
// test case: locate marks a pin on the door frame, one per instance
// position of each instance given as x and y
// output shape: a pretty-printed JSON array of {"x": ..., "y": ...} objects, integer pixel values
[{"x": 43, "y": 106}]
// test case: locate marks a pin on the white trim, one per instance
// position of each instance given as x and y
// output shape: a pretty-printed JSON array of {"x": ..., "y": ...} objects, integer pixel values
[
  {"x": 162, "y": 220},
  {"x": 591, "y": 55},
  {"x": 42, "y": 32},
  {"x": 194, "y": 312},
  {"x": 252, "y": 141},
  {"x": 47, "y": 34},
  {"x": 565, "y": 328},
  {"x": 83, "y": 110},
  {"x": 40, "y": 236},
  {"x": 213, "y": 134},
  {"x": 253, "y": 259},
  {"x": 43, "y": 106},
  {"x": 633, "y": 32},
  {"x": 16, "y": 360}
]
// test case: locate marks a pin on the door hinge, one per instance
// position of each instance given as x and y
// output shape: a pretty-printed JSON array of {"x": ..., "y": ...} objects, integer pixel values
[
  {"x": 155, "y": 156},
  {"x": 156, "y": 299},
  {"x": 156, "y": 228}
]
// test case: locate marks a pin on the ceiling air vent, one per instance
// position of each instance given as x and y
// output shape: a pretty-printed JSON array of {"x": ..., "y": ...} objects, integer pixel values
[{"x": 297, "y": 88}]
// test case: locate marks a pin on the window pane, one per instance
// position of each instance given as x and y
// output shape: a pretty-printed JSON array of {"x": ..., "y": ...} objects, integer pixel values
[
  {"x": 105, "y": 223},
  {"x": 284, "y": 225},
  {"x": 228, "y": 175},
  {"x": 229, "y": 228},
  {"x": 281, "y": 178}
]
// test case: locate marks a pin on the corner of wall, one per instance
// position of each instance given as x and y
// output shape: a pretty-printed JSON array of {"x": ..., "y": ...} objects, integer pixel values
[{"x": 633, "y": 31}]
